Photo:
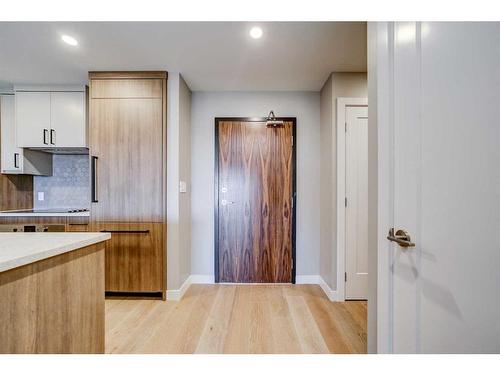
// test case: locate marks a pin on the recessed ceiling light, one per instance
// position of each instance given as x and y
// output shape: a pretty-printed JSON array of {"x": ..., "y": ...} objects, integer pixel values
[
  {"x": 69, "y": 40},
  {"x": 256, "y": 32}
]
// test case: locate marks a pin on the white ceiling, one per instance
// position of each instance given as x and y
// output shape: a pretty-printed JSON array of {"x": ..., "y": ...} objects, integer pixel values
[{"x": 209, "y": 55}]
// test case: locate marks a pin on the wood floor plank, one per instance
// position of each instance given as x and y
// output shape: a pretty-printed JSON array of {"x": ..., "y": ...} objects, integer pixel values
[
  {"x": 354, "y": 334},
  {"x": 261, "y": 335},
  {"x": 329, "y": 327},
  {"x": 358, "y": 312},
  {"x": 310, "y": 338},
  {"x": 215, "y": 331},
  {"x": 127, "y": 325},
  {"x": 239, "y": 324},
  {"x": 167, "y": 332},
  {"x": 238, "y": 319},
  {"x": 285, "y": 339}
]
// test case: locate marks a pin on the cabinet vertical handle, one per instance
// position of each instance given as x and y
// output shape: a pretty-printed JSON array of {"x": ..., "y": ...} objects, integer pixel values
[
  {"x": 16, "y": 160},
  {"x": 52, "y": 137},
  {"x": 45, "y": 134},
  {"x": 94, "y": 179}
]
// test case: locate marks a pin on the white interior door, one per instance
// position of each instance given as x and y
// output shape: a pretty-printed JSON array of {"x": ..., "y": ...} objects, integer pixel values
[
  {"x": 439, "y": 178},
  {"x": 356, "y": 173}
]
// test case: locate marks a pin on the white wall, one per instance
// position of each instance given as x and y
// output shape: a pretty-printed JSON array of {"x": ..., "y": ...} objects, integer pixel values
[
  {"x": 208, "y": 105},
  {"x": 338, "y": 85},
  {"x": 178, "y": 168}
]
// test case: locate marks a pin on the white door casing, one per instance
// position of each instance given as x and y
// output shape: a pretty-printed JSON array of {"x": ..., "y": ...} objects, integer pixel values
[
  {"x": 356, "y": 208},
  {"x": 438, "y": 178},
  {"x": 342, "y": 104}
]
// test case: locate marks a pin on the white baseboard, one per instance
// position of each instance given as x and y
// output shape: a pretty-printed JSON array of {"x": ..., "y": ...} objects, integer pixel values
[
  {"x": 318, "y": 280},
  {"x": 330, "y": 293},
  {"x": 177, "y": 294}
]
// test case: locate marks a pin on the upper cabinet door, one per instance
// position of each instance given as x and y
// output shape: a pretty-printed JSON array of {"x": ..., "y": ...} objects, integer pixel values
[
  {"x": 68, "y": 122},
  {"x": 33, "y": 119},
  {"x": 11, "y": 158}
]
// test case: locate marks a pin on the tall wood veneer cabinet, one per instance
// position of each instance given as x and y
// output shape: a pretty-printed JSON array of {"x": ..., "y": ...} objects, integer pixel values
[{"x": 127, "y": 139}]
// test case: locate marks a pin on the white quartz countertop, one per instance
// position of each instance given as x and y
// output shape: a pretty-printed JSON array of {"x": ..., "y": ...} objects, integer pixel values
[
  {"x": 42, "y": 214},
  {"x": 19, "y": 249}
]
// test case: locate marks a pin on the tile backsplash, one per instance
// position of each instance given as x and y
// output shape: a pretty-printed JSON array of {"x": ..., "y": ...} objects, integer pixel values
[{"x": 68, "y": 187}]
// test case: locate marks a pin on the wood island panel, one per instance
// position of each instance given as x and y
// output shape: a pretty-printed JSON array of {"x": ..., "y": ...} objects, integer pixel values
[{"x": 55, "y": 305}]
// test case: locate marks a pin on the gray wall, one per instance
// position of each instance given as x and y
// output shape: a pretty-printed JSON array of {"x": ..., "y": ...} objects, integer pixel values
[
  {"x": 178, "y": 169},
  {"x": 68, "y": 187},
  {"x": 338, "y": 85},
  {"x": 208, "y": 105},
  {"x": 326, "y": 180}
]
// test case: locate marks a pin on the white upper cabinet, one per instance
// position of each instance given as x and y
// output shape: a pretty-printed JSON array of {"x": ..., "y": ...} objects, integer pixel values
[
  {"x": 51, "y": 119},
  {"x": 33, "y": 119},
  {"x": 11, "y": 155},
  {"x": 15, "y": 160},
  {"x": 67, "y": 114}
]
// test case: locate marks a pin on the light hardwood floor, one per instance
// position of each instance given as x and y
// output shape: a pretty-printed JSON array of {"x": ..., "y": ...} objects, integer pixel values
[{"x": 237, "y": 319}]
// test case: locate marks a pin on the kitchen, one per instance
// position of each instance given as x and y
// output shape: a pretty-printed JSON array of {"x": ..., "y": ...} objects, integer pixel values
[{"x": 68, "y": 166}]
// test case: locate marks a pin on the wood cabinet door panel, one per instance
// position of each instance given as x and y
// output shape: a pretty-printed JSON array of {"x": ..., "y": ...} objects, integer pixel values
[
  {"x": 127, "y": 88},
  {"x": 127, "y": 136},
  {"x": 134, "y": 256}
]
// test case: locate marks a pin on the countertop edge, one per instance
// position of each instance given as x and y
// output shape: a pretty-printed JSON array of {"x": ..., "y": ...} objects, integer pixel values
[
  {"x": 33, "y": 258},
  {"x": 45, "y": 214}
]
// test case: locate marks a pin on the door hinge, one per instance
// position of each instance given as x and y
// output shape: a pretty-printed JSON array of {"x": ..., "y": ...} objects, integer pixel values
[
  {"x": 292, "y": 264},
  {"x": 346, "y": 127},
  {"x": 345, "y": 276},
  {"x": 345, "y": 201},
  {"x": 292, "y": 140}
]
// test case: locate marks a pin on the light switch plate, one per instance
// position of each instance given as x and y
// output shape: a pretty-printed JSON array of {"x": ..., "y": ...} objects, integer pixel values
[
  {"x": 41, "y": 196},
  {"x": 182, "y": 187}
]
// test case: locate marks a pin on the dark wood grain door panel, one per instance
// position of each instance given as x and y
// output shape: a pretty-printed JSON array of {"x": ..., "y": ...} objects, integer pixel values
[{"x": 255, "y": 186}]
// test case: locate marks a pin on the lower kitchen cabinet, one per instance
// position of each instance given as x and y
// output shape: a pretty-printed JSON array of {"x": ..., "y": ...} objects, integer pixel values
[
  {"x": 77, "y": 224},
  {"x": 135, "y": 256}
]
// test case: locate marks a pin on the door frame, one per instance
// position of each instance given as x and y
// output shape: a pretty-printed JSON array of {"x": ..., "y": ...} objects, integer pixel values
[
  {"x": 342, "y": 104},
  {"x": 293, "y": 120}
]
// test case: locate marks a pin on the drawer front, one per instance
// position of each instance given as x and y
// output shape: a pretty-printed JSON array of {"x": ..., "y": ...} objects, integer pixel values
[
  {"x": 134, "y": 256},
  {"x": 77, "y": 224}
]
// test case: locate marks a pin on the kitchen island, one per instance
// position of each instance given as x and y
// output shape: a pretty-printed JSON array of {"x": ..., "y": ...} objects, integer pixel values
[{"x": 52, "y": 292}]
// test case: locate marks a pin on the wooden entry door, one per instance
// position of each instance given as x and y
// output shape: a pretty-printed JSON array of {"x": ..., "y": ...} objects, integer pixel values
[{"x": 255, "y": 192}]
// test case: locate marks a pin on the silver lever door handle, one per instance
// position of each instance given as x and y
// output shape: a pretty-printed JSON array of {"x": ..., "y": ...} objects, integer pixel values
[
  {"x": 401, "y": 237},
  {"x": 225, "y": 202}
]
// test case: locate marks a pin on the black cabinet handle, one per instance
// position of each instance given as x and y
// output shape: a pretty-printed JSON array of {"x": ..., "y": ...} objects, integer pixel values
[
  {"x": 16, "y": 160},
  {"x": 45, "y": 134},
  {"x": 52, "y": 137},
  {"x": 93, "y": 165},
  {"x": 125, "y": 231}
]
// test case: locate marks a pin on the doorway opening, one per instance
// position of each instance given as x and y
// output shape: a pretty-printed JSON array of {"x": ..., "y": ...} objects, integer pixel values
[{"x": 255, "y": 200}]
